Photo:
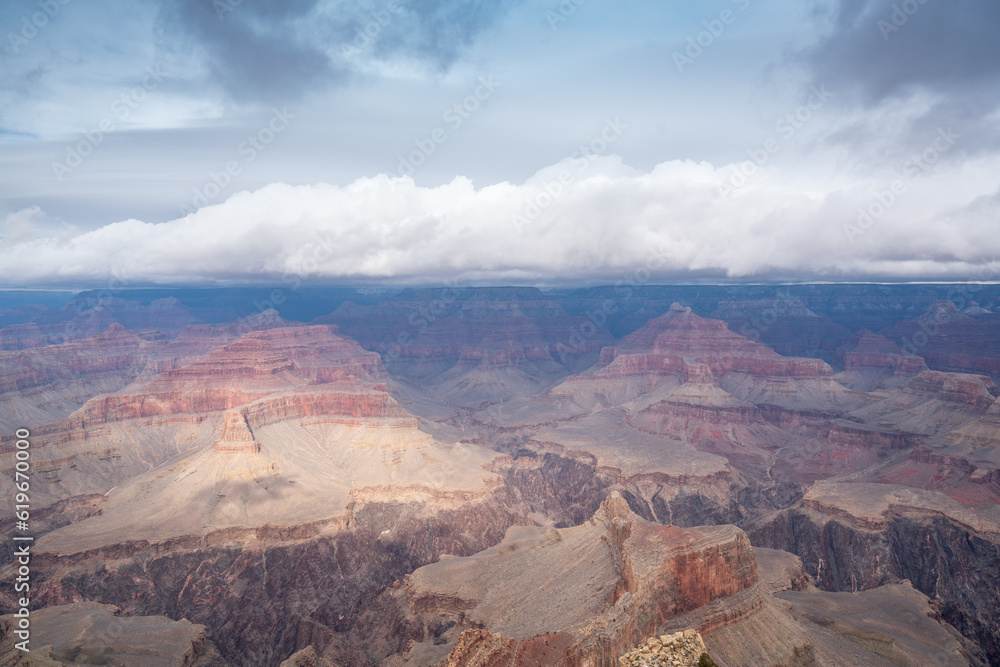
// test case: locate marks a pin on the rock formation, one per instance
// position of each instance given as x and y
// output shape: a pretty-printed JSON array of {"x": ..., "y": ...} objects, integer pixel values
[
  {"x": 85, "y": 633},
  {"x": 584, "y": 595},
  {"x": 510, "y": 484},
  {"x": 685, "y": 648}
]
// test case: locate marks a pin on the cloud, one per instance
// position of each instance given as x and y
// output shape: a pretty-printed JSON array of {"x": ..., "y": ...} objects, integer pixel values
[
  {"x": 272, "y": 51},
  {"x": 32, "y": 223},
  {"x": 252, "y": 49},
  {"x": 577, "y": 220},
  {"x": 438, "y": 31},
  {"x": 888, "y": 48},
  {"x": 913, "y": 66}
]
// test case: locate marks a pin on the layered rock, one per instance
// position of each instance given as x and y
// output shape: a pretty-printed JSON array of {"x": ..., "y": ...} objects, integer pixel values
[
  {"x": 236, "y": 435},
  {"x": 42, "y": 384},
  {"x": 786, "y": 324},
  {"x": 949, "y": 340},
  {"x": 855, "y": 536},
  {"x": 475, "y": 346},
  {"x": 932, "y": 403},
  {"x": 333, "y": 583},
  {"x": 594, "y": 590},
  {"x": 272, "y": 482},
  {"x": 648, "y": 357},
  {"x": 87, "y": 316},
  {"x": 258, "y": 430},
  {"x": 875, "y": 362}
]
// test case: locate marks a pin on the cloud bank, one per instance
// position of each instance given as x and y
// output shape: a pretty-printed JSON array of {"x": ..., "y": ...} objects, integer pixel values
[{"x": 588, "y": 218}]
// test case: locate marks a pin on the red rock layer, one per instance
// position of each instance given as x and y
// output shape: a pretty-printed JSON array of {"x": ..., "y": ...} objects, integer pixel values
[
  {"x": 954, "y": 476},
  {"x": 113, "y": 352},
  {"x": 705, "y": 576},
  {"x": 874, "y": 351},
  {"x": 666, "y": 342},
  {"x": 498, "y": 326},
  {"x": 666, "y": 416},
  {"x": 951, "y": 341},
  {"x": 271, "y": 375},
  {"x": 976, "y": 391}
]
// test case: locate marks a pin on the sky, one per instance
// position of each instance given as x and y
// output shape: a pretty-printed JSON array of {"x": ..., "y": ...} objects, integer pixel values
[{"x": 218, "y": 142}]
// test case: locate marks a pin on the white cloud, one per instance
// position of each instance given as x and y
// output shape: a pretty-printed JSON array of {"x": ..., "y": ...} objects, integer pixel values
[{"x": 605, "y": 221}]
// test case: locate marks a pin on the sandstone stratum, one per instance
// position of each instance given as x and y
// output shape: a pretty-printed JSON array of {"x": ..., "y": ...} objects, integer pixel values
[{"x": 508, "y": 476}]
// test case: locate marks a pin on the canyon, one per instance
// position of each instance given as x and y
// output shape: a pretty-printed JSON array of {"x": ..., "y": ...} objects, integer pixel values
[{"x": 803, "y": 474}]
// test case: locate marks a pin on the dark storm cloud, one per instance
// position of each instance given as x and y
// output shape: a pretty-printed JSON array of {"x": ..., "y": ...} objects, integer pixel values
[
  {"x": 438, "y": 31},
  {"x": 880, "y": 52},
  {"x": 885, "y": 48},
  {"x": 270, "y": 50},
  {"x": 250, "y": 48}
]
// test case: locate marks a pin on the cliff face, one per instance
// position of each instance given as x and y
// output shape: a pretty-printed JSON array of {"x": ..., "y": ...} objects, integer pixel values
[
  {"x": 82, "y": 318},
  {"x": 275, "y": 483},
  {"x": 873, "y": 362},
  {"x": 475, "y": 347},
  {"x": 626, "y": 579},
  {"x": 678, "y": 341},
  {"x": 680, "y": 334},
  {"x": 949, "y": 340},
  {"x": 284, "y": 589},
  {"x": 947, "y": 555},
  {"x": 785, "y": 324},
  {"x": 43, "y": 384}
]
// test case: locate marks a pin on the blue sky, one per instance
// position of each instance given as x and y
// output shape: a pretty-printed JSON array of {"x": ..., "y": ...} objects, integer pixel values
[{"x": 221, "y": 141}]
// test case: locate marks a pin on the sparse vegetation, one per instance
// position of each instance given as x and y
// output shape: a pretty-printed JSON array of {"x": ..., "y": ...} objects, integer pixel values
[{"x": 706, "y": 661}]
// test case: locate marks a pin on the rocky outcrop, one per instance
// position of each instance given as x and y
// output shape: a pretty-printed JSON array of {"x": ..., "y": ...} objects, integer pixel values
[
  {"x": 680, "y": 334},
  {"x": 976, "y": 391},
  {"x": 874, "y": 362},
  {"x": 236, "y": 436},
  {"x": 86, "y": 316},
  {"x": 874, "y": 351},
  {"x": 681, "y": 649},
  {"x": 605, "y": 585},
  {"x": 931, "y": 404},
  {"x": 330, "y": 584},
  {"x": 851, "y": 541},
  {"x": 657, "y": 354}
]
